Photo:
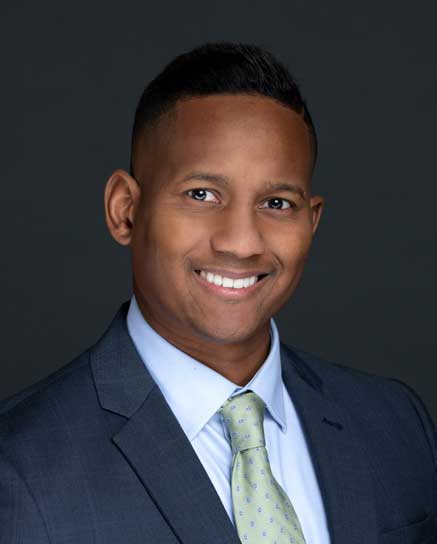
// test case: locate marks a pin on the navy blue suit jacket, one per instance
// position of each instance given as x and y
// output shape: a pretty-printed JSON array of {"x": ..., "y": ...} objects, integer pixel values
[{"x": 93, "y": 454}]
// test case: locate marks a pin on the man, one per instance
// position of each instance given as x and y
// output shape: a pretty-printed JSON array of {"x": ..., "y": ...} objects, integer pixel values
[{"x": 189, "y": 421}]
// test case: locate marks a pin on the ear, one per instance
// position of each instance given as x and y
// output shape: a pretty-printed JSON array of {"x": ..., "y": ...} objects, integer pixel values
[
  {"x": 316, "y": 204},
  {"x": 122, "y": 194}
]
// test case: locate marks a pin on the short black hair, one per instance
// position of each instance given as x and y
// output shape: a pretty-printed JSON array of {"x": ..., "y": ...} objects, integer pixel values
[{"x": 219, "y": 68}]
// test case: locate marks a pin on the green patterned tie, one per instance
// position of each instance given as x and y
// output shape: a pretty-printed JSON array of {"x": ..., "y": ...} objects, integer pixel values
[{"x": 263, "y": 512}]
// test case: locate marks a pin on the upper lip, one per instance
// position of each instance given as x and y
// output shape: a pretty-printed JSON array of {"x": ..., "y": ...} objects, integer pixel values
[{"x": 233, "y": 274}]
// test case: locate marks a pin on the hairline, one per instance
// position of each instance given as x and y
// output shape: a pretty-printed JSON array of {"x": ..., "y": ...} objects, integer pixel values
[{"x": 169, "y": 110}]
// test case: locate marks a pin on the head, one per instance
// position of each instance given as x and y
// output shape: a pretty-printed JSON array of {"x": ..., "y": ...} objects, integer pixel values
[{"x": 223, "y": 150}]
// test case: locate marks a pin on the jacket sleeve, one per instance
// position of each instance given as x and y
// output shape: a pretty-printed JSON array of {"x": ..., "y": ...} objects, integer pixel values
[{"x": 21, "y": 521}]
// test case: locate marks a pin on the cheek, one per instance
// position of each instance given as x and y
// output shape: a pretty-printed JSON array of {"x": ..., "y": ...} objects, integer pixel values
[
  {"x": 171, "y": 236},
  {"x": 292, "y": 248}
]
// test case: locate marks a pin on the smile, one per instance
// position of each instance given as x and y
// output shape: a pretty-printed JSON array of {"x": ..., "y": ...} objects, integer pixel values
[{"x": 228, "y": 287}]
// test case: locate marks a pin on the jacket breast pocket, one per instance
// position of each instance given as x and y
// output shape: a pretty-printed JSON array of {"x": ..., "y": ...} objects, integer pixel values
[{"x": 420, "y": 532}]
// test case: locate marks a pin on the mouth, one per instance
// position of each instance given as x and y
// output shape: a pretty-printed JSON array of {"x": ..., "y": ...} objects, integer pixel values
[{"x": 235, "y": 292}]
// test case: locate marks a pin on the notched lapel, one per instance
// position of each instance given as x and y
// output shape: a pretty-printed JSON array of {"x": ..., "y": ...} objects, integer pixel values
[
  {"x": 154, "y": 444},
  {"x": 159, "y": 451},
  {"x": 341, "y": 469}
]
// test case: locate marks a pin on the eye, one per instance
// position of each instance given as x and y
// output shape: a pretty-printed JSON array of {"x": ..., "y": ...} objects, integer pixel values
[
  {"x": 201, "y": 193},
  {"x": 277, "y": 203}
]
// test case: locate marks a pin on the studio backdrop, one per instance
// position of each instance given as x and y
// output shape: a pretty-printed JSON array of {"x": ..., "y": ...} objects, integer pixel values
[{"x": 72, "y": 74}]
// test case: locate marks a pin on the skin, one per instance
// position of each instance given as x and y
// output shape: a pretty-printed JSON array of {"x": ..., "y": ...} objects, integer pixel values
[{"x": 173, "y": 228}]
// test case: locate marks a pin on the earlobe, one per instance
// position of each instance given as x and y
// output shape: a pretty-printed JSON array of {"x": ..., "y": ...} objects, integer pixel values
[{"x": 121, "y": 197}]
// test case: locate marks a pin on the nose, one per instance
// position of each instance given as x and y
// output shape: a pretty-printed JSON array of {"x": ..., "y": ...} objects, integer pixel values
[{"x": 238, "y": 232}]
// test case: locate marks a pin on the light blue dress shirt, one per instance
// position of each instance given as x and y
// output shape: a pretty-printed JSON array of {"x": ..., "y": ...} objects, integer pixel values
[{"x": 195, "y": 393}]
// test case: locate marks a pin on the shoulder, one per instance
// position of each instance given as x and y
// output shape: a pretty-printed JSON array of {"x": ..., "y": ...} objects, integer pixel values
[
  {"x": 376, "y": 403},
  {"x": 346, "y": 381},
  {"x": 38, "y": 407}
]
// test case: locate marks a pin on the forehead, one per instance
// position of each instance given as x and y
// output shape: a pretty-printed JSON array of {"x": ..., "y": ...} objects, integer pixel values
[{"x": 229, "y": 133}]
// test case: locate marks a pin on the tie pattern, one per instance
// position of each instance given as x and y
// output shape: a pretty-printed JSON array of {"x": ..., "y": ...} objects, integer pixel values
[{"x": 263, "y": 512}]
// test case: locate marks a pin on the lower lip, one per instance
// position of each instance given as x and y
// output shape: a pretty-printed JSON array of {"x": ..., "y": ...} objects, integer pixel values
[{"x": 230, "y": 292}]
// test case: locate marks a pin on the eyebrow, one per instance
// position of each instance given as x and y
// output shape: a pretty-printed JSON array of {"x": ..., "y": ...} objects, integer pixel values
[{"x": 223, "y": 180}]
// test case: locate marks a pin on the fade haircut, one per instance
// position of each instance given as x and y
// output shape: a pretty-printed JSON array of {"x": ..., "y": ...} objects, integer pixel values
[{"x": 214, "y": 69}]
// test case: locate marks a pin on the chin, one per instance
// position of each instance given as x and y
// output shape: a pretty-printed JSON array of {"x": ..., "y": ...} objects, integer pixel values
[{"x": 227, "y": 331}]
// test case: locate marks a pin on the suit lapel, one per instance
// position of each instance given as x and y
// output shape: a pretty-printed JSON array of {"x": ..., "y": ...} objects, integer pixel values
[
  {"x": 339, "y": 464},
  {"x": 156, "y": 447},
  {"x": 154, "y": 444}
]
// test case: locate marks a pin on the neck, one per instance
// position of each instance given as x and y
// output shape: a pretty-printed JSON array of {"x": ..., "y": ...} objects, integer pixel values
[{"x": 238, "y": 361}]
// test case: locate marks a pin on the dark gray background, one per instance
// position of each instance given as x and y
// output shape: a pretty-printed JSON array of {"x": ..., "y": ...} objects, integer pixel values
[{"x": 71, "y": 77}]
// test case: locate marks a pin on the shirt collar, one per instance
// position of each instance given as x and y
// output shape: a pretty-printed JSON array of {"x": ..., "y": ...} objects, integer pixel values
[{"x": 194, "y": 391}]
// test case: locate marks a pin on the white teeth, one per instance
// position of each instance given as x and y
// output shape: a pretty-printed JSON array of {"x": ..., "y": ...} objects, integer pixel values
[{"x": 228, "y": 282}]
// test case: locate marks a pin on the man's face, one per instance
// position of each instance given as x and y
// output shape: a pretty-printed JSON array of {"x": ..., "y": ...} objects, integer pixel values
[{"x": 207, "y": 204}]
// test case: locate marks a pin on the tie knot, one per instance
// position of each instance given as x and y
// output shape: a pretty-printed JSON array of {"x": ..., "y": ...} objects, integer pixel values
[{"x": 244, "y": 418}]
